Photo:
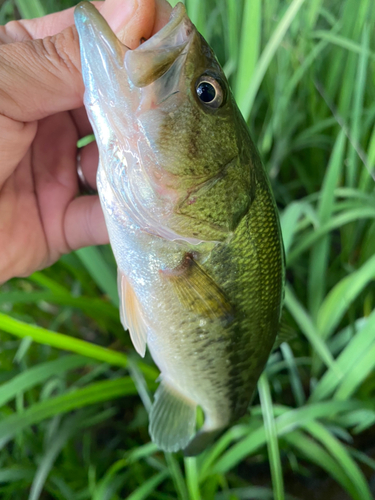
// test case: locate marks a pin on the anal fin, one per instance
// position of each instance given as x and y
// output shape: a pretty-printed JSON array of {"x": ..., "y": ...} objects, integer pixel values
[
  {"x": 172, "y": 419},
  {"x": 197, "y": 291},
  {"x": 131, "y": 315}
]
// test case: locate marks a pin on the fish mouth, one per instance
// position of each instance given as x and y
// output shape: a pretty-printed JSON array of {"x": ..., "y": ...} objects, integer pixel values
[
  {"x": 100, "y": 47},
  {"x": 103, "y": 52},
  {"x": 153, "y": 58}
]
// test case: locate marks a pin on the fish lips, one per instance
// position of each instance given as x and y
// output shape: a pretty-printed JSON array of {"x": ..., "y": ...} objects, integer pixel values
[
  {"x": 106, "y": 57},
  {"x": 101, "y": 50}
]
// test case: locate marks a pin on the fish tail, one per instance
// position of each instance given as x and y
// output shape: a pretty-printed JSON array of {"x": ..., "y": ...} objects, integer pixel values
[
  {"x": 201, "y": 441},
  {"x": 172, "y": 418}
]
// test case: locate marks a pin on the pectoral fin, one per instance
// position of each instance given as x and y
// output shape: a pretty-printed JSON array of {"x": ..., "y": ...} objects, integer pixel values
[
  {"x": 131, "y": 314},
  {"x": 197, "y": 291}
]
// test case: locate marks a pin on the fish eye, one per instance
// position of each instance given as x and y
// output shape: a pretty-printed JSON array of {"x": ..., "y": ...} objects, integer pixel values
[{"x": 209, "y": 91}]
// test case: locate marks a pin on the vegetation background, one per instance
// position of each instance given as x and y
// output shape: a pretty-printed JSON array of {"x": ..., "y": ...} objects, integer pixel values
[{"x": 74, "y": 396}]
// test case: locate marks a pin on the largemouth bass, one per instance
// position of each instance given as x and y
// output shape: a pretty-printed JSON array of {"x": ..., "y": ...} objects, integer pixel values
[{"x": 192, "y": 222}]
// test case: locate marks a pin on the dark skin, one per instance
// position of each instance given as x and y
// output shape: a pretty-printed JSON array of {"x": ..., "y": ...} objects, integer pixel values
[{"x": 42, "y": 215}]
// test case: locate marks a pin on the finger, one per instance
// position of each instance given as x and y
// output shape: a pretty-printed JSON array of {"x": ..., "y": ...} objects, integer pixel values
[
  {"x": 89, "y": 158},
  {"x": 55, "y": 176},
  {"x": 29, "y": 29},
  {"x": 42, "y": 77},
  {"x": 84, "y": 223},
  {"x": 81, "y": 121},
  {"x": 163, "y": 11},
  {"x": 140, "y": 24},
  {"x": 16, "y": 138}
]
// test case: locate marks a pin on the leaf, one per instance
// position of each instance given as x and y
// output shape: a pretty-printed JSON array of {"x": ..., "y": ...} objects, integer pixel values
[
  {"x": 61, "y": 341},
  {"x": 69, "y": 427},
  {"x": 350, "y": 359},
  {"x": 342, "y": 295},
  {"x": 365, "y": 212},
  {"x": 177, "y": 477},
  {"x": 287, "y": 420},
  {"x": 315, "y": 453},
  {"x": 341, "y": 455},
  {"x": 249, "y": 46},
  {"x": 272, "y": 439},
  {"x": 289, "y": 223},
  {"x": 148, "y": 486},
  {"x": 309, "y": 330},
  {"x": 30, "y": 9},
  {"x": 295, "y": 380},
  {"x": 100, "y": 271},
  {"x": 94, "y": 393},
  {"x": 192, "y": 480},
  {"x": 38, "y": 374},
  {"x": 319, "y": 258},
  {"x": 268, "y": 53},
  {"x": 343, "y": 42}
]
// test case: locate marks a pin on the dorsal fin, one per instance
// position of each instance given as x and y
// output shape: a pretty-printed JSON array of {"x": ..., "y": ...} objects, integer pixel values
[{"x": 131, "y": 314}]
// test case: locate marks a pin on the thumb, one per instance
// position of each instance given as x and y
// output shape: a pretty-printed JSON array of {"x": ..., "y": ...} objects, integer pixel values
[
  {"x": 134, "y": 26},
  {"x": 42, "y": 77}
]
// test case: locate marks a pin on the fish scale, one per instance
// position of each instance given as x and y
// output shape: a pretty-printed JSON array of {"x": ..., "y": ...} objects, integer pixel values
[{"x": 192, "y": 222}]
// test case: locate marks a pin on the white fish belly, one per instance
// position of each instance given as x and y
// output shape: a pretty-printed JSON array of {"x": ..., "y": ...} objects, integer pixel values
[{"x": 189, "y": 350}]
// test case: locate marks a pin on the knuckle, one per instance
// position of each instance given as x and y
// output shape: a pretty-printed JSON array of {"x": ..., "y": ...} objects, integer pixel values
[
  {"x": 14, "y": 31},
  {"x": 62, "y": 50}
]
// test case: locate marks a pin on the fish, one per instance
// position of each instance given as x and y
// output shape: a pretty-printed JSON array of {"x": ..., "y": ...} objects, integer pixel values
[{"x": 192, "y": 222}]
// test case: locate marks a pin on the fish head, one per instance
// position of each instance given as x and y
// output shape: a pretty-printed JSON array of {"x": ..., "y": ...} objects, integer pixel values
[{"x": 170, "y": 136}]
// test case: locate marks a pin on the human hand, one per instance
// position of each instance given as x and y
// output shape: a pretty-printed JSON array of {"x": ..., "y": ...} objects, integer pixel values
[{"x": 41, "y": 119}]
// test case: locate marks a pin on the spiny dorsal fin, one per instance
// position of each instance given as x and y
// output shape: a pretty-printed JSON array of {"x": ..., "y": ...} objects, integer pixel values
[
  {"x": 131, "y": 314},
  {"x": 197, "y": 291}
]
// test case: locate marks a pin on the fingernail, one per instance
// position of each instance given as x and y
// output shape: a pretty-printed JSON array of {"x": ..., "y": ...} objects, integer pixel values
[{"x": 119, "y": 12}]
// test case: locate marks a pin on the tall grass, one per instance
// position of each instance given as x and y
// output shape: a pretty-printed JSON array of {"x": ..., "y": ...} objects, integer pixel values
[{"x": 71, "y": 423}]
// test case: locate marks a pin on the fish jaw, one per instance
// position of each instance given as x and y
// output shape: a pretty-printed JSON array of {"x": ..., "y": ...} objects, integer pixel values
[
  {"x": 113, "y": 102},
  {"x": 113, "y": 74},
  {"x": 102, "y": 59},
  {"x": 154, "y": 57}
]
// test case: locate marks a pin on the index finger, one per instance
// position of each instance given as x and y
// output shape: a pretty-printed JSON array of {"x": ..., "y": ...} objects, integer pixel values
[
  {"x": 42, "y": 77},
  {"x": 30, "y": 29}
]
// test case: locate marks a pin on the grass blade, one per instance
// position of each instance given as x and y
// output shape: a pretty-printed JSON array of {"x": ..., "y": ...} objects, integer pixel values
[
  {"x": 348, "y": 359},
  {"x": 177, "y": 477},
  {"x": 246, "y": 103},
  {"x": 92, "y": 394},
  {"x": 320, "y": 252},
  {"x": 100, "y": 271},
  {"x": 249, "y": 47},
  {"x": 315, "y": 453},
  {"x": 148, "y": 486},
  {"x": 309, "y": 330},
  {"x": 342, "y": 295},
  {"x": 272, "y": 440},
  {"x": 192, "y": 480},
  {"x": 29, "y": 10},
  {"x": 61, "y": 341},
  {"x": 340, "y": 454},
  {"x": 51, "y": 454},
  {"x": 38, "y": 374}
]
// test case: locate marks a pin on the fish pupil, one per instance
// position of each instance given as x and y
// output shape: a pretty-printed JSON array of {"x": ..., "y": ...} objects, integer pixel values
[{"x": 206, "y": 92}]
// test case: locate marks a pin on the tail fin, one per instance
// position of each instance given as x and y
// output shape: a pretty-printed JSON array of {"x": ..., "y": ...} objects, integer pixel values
[{"x": 200, "y": 442}]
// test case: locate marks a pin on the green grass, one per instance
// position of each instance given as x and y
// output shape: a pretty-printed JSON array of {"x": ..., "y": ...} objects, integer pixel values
[{"x": 74, "y": 396}]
